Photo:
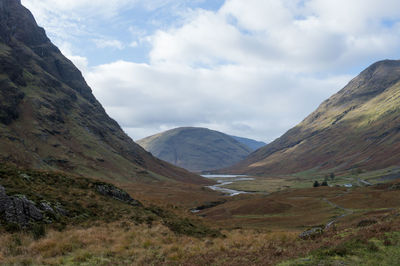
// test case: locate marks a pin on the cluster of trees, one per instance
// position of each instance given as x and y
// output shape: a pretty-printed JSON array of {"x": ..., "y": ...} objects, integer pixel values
[
  {"x": 323, "y": 184},
  {"x": 331, "y": 176}
]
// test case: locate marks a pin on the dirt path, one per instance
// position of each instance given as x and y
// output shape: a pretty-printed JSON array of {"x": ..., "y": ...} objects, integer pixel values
[{"x": 334, "y": 205}]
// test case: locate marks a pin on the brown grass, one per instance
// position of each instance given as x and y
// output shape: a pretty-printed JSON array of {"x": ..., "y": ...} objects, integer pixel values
[
  {"x": 123, "y": 243},
  {"x": 276, "y": 240},
  {"x": 126, "y": 243},
  {"x": 298, "y": 209}
]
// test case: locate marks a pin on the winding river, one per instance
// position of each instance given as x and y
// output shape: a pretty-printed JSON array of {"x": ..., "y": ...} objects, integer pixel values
[{"x": 224, "y": 180}]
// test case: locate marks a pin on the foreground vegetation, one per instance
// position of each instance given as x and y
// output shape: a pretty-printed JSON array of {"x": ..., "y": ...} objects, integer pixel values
[
  {"x": 97, "y": 229},
  {"x": 123, "y": 243}
]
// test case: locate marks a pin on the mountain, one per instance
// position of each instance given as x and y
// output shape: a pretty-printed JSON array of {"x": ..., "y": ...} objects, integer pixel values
[
  {"x": 356, "y": 128},
  {"x": 196, "y": 149},
  {"x": 49, "y": 118},
  {"x": 250, "y": 143}
]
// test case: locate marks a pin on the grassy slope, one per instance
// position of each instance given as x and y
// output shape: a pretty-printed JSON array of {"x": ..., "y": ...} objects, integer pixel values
[
  {"x": 84, "y": 205},
  {"x": 355, "y": 128}
]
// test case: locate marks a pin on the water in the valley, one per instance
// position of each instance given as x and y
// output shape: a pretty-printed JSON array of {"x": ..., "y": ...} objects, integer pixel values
[{"x": 224, "y": 180}]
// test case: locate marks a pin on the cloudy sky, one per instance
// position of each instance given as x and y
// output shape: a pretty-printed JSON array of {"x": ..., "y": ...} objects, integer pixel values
[{"x": 251, "y": 68}]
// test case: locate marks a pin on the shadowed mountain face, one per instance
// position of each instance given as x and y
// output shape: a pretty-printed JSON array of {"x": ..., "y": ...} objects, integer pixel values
[
  {"x": 196, "y": 149},
  {"x": 250, "y": 143},
  {"x": 356, "y": 128},
  {"x": 49, "y": 118}
]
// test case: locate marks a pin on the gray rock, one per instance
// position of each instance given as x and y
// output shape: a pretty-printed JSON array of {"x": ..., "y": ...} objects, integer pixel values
[
  {"x": 2, "y": 192},
  {"x": 18, "y": 210},
  {"x": 55, "y": 209},
  {"x": 312, "y": 233},
  {"x": 116, "y": 193},
  {"x": 25, "y": 176},
  {"x": 46, "y": 207},
  {"x": 395, "y": 187}
]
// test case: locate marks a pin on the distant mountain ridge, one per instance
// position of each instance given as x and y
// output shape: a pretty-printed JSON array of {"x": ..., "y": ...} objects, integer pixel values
[
  {"x": 196, "y": 149},
  {"x": 49, "y": 118},
  {"x": 357, "y": 128},
  {"x": 250, "y": 143}
]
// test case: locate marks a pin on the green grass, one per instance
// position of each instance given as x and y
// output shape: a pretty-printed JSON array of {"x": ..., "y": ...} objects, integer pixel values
[
  {"x": 306, "y": 179},
  {"x": 385, "y": 251}
]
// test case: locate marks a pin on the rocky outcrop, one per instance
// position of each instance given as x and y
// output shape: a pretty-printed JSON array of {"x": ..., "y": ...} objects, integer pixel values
[
  {"x": 22, "y": 211},
  {"x": 18, "y": 209},
  {"x": 116, "y": 193},
  {"x": 312, "y": 233}
]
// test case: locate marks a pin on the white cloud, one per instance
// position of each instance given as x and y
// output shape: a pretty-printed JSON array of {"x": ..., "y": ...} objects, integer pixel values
[
  {"x": 133, "y": 44},
  {"x": 102, "y": 43},
  {"x": 79, "y": 61},
  {"x": 253, "y": 68},
  {"x": 235, "y": 99}
]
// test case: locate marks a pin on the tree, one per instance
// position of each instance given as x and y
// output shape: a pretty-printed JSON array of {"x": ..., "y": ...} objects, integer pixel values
[
  {"x": 332, "y": 176},
  {"x": 316, "y": 184}
]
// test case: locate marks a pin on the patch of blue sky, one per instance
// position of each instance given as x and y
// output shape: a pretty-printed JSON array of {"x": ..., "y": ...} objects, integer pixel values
[
  {"x": 389, "y": 23},
  {"x": 211, "y": 4},
  {"x": 130, "y": 28}
]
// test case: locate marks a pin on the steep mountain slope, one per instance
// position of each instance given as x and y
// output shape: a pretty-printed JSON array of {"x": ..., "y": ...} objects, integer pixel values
[
  {"x": 49, "y": 118},
  {"x": 250, "y": 143},
  {"x": 356, "y": 128},
  {"x": 195, "y": 149}
]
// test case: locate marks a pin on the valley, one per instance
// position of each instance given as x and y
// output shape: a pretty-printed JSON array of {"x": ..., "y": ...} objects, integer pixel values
[
  {"x": 225, "y": 180},
  {"x": 75, "y": 189}
]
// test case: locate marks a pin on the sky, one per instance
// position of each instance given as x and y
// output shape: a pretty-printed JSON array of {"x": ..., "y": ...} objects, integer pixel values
[{"x": 251, "y": 68}]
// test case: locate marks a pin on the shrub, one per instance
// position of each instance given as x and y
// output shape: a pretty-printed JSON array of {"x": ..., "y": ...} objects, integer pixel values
[
  {"x": 12, "y": 227},
  {"x": 38, "y": 231}
]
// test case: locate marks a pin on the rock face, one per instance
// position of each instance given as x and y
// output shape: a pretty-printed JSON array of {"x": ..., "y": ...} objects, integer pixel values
[
  {"x": 312, "y": 233},
  {"x": 116, "y": 193},
  {"x": 18, "y": 210},
  {"x": 356, "y": 128},
  {"x": 49, "y": 117},
  {"x": 196, "y": 149}
]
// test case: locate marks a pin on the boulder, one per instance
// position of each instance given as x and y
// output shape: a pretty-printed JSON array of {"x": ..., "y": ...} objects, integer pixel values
[
  {"x": 312, "y": 233},
  {"x": 18, "y": 209},
  {"x": 116, "y": 193}
]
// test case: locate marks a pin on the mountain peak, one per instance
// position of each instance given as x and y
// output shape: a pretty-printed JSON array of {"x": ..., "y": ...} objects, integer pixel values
[
  {"x": 18, "y": 23},
  {"x": 369, "y": 83},
  {"x": 196, "y": 149}
]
